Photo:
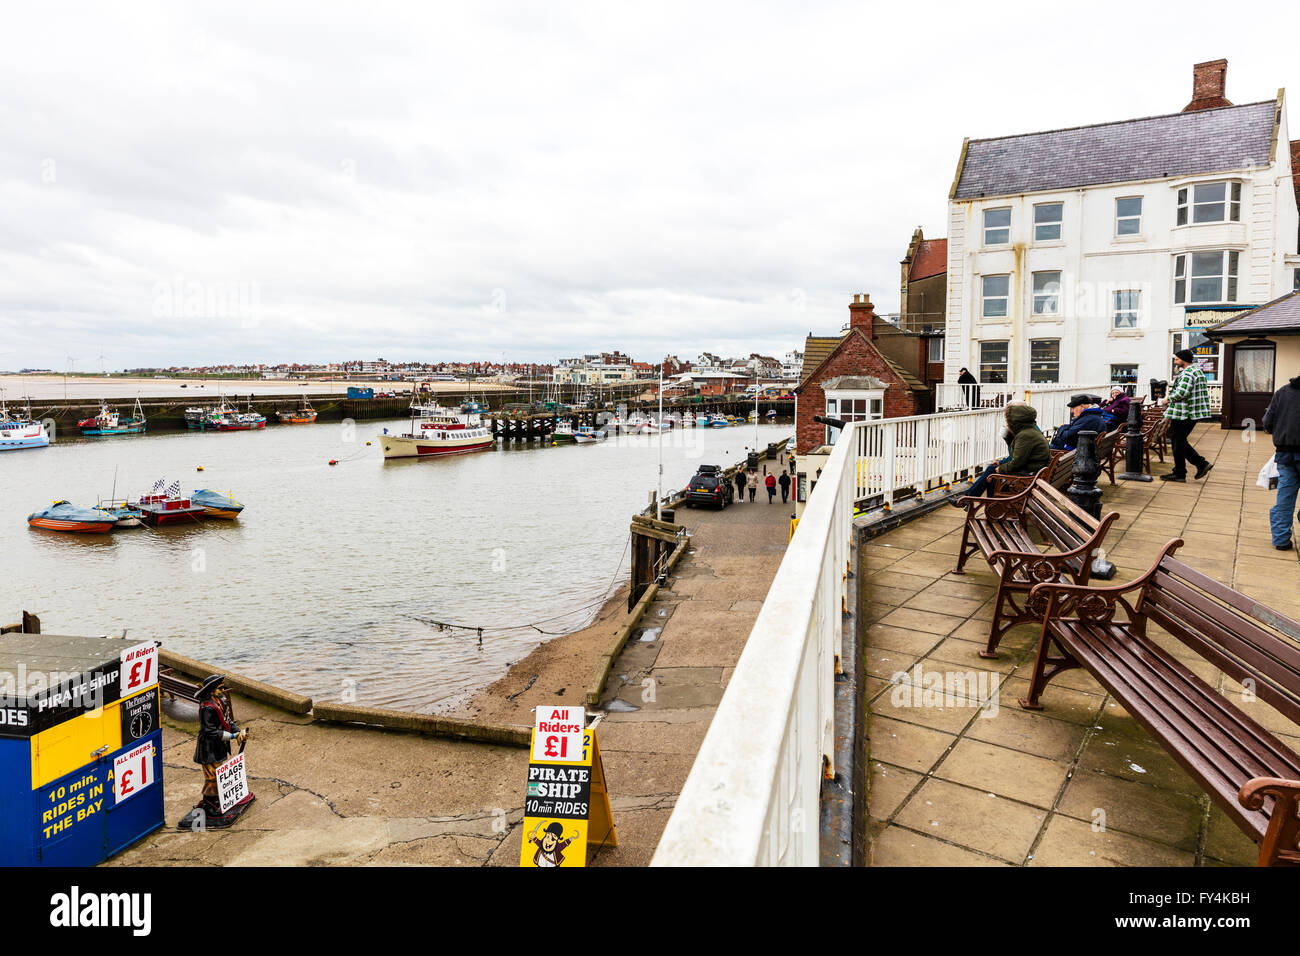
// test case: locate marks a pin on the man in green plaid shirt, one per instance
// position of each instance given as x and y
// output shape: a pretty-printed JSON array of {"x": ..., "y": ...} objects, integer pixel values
[{"x": 1187, "y": 403}]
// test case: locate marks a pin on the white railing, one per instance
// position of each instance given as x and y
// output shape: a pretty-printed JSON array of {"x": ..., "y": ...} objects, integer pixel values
[
  {"x": 953, "y": 396},
  {"x": 752, "y": 796}
]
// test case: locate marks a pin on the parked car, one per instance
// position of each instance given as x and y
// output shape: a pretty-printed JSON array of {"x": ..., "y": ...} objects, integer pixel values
[{"x": 709, "y": 486}]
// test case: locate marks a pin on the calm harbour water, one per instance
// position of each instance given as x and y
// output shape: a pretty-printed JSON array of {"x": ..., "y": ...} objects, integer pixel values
[{"x": 328, "y": 580}]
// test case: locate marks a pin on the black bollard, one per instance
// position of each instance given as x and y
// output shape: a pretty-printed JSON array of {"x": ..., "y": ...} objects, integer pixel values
[
  {"x": 1133, "y": 450},
  {"x": 1083, "y": 491}
]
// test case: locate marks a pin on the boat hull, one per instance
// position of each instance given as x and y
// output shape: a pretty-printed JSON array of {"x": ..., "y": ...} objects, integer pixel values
[
  {"x": 77, "y": 527},
  {"x": 18, "y": 444},
  {"x": 297, "y": 419},
  {"x": 119, "y": 430},
  {"x": 401, "y": 446}
]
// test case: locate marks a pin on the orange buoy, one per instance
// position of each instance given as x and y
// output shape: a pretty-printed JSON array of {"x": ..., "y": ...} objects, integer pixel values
[{"x": 334, "y": 461}]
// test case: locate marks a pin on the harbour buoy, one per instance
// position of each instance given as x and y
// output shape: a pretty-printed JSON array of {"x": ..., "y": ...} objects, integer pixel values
[
  {"x": 200, "y": 468},
  {"x": 334, "y": 461},
  {"x": 367, "y": 444}
]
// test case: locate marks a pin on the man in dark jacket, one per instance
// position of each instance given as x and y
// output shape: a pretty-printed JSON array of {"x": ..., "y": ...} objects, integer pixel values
[
  {"x": 1282, "y": 421},
  {"x": 1085, "y": 416},
  {"x": 1029, "y": 453},
  {"x": 784, "y": 481}
]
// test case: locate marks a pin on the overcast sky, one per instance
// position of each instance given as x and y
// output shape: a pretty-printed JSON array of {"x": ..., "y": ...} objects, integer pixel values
[{"x": 227, "y": 182}]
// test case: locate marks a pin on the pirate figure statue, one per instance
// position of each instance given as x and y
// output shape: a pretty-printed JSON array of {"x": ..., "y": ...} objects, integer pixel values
[{"x": 216, "y": 730}]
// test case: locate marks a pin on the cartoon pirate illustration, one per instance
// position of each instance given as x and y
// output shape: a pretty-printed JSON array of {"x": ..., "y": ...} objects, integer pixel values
[{"x": 550, "y": 846}]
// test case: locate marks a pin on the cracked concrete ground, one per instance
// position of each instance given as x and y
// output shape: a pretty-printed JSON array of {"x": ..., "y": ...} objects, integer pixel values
[{"x": 331, "y": 795}]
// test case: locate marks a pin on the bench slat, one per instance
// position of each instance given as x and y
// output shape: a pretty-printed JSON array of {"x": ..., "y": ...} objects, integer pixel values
[
  {"x": 1233, "y": 643},
  {"x": 1220, "y": 763}
]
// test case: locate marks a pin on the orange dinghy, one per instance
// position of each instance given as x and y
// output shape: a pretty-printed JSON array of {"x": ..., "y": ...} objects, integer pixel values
[{"x": 64, "y": 516}]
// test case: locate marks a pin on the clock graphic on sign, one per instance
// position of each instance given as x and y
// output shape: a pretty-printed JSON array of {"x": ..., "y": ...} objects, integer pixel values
[{"x": 141, "y": 724}]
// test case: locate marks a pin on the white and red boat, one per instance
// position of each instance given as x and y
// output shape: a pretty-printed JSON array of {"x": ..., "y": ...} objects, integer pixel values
[{"x": 436, "y": 430}]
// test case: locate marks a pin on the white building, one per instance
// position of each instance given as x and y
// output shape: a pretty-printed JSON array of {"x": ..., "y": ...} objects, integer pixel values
[{"x": 1092, "y": 254}]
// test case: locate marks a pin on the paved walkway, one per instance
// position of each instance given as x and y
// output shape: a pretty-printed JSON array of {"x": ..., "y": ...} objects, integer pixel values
[
  {"x": 1080, "y": 782},
  {"x": 665, "y": 687}
]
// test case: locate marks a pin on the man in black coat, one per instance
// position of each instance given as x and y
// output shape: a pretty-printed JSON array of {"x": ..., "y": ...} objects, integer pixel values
[{"x": 1282, "y": 421}]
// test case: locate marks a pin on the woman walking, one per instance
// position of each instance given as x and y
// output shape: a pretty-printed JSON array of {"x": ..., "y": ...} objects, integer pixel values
[
  {"x": 740, "y": 485},
  {"x": 770, "y": 481}
]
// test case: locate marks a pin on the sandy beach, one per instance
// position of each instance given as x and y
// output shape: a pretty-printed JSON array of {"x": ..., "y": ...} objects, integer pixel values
[{"x": 91, "y": 387}]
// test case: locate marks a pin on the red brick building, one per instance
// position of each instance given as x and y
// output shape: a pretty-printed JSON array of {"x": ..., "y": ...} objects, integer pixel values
[{"x": 850, "y": 378}]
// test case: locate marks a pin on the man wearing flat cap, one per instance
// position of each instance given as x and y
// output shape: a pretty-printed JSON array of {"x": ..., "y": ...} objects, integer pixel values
[
  {"x": 1187, "y": 403},
  {"x": 1085, "y": 416}
]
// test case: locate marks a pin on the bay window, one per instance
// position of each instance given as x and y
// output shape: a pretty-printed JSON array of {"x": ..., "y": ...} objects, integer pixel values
[
  {"x": 853, "y": 406},
  {"x": 1206, "y": 276},
  {"x": 1209, "y": 202}
]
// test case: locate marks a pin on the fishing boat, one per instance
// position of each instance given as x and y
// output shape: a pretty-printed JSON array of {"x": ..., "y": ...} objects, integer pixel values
[
  {"x": 65, "y": 516},
  {"x": 216, "y": 505},
  {"x": 304, "y": 414},
  {"x": 634, "y": 423},
  {"x": 20, "y": 431},
  {"x": 196, "y": 416},
  {"x": 616, "y": 424},
  {"x": 228, "y": 419},
  {"x": 586, "y": 435},
  {"x": 651, "y": 427},
  {"x": 770, "y": 414},
  {"x": 563, "y": 433},
  {"x": 717, "y": 420},
  {"x": 436, "y": 431},
  {"x": 109, "y": 422},
  {"x": 688, "y": 419}
]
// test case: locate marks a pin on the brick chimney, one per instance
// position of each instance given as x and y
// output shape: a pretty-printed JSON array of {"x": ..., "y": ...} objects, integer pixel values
[
  {"x": 1209, "y": 82},
  {"x": 862, "y": 314}
]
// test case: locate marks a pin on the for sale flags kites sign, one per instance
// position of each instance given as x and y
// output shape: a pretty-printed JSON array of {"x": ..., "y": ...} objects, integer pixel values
[{"x": 566, "y": 807}]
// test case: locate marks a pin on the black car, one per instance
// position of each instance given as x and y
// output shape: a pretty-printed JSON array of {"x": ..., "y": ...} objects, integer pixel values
[{"x": 709, "y": 486}]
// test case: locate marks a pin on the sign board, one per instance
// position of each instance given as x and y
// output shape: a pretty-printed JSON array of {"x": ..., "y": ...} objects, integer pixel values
[
  {"x": 566, "y": 805},
  {"x": 232, "y": 782},
  {"x": 139, "y": 715},
  {"x": 139, "y": 669},
  {"x": 557, "y": 734},
  {"x": 132, "y": 772}
]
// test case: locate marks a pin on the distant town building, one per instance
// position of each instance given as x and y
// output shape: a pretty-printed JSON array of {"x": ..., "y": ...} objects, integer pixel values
[{"x": 1091, "y": 254}]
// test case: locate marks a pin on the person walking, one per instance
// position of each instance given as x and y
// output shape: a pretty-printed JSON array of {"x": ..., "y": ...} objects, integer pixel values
[
  {"x": 1028, "y": 451},
  {"x": 753, "y": 487},
  {"x": 792, "y": 463},
  {"x": 1187, "y": 403},
  {"x": 740, "y": 485},
  {"x": 770, "y": 481},
  {"x": 1282, "y": 421},
  {"x": 970, "y": 388},
  {"x": 785, "y": 487}
]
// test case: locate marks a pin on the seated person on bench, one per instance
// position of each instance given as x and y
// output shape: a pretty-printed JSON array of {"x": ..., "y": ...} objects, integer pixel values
[
  {"x": 1085, "y": 416},
  {"x": 1029, "y": 451},
  {"x": 1116, "y": 410}
]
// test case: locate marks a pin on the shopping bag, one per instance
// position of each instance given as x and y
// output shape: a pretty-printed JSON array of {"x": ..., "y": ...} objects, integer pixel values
[{"x": 1268, "y": 474}]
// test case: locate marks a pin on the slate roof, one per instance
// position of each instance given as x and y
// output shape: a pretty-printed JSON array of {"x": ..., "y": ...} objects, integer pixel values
[
  {"x": 1279, "y": 317},
  {"x": 815, "y": 351},
  {"x": 1156, "y": 147}
]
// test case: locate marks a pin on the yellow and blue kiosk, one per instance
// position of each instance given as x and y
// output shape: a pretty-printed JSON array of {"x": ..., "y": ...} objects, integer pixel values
[{"x": 80, "y": 748}]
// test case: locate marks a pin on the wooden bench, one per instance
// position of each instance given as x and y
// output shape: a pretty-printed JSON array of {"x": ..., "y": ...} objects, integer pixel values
[
  {"x": 1244, "y": 768},
  {"x": 999, "y": 528},
  {"x": 1059, "y": 472}
]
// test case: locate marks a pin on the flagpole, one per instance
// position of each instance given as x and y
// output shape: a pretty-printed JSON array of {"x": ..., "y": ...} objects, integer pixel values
[{"x": 660, "y": 496}]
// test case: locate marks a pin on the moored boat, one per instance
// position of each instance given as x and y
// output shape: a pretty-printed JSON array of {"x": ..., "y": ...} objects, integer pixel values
[
  {"x": 65, "y": 516},
  {"x": 166, "y": 506},
  {"x": 304, "y": 414},
  {"x": 586, "y": 435},
  {"x": 688, "y": 419},
  {"x": 125, "y": 515},
  {"x": 109, "y": 422},
  {"x": 436, "y": 431},
  {"x": 216, "y": 505},
  {"x": 563, "y": 433},
  {"x": 20, "y": 431},
  {"x": 717, "y": 420}
]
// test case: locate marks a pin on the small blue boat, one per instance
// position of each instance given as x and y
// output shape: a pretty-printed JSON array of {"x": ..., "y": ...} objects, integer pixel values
[
  {"x": 215, "y": 504},
  {"x": 20, "y": 432}
]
